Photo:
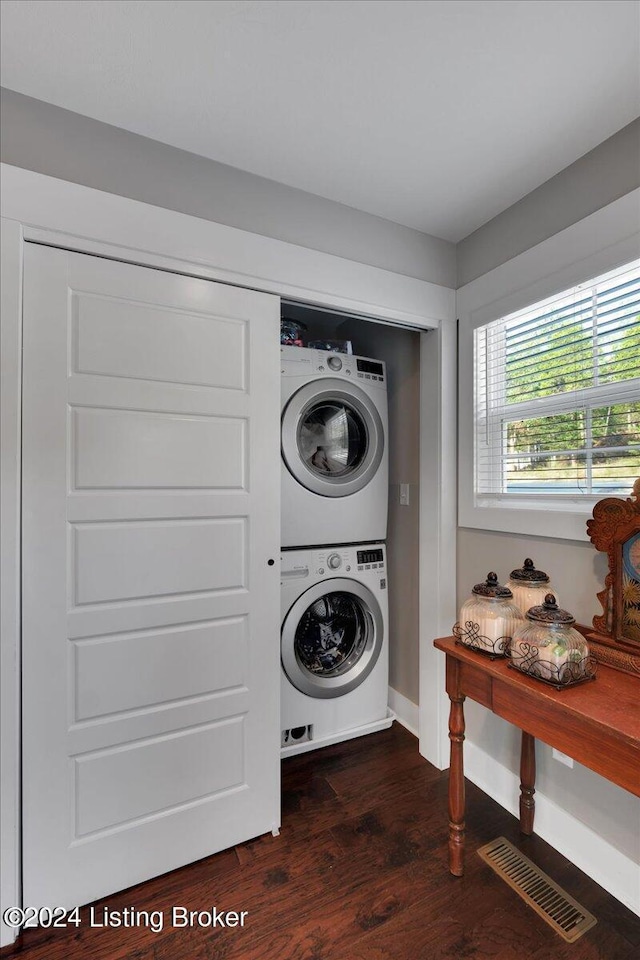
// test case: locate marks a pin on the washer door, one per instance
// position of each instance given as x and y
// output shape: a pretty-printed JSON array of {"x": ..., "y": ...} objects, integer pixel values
[
  {"x": 331, "y": 638},
  {"x": 332, "y": 438}
]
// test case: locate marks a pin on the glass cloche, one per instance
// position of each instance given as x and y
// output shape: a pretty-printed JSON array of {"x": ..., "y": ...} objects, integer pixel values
[
  {"x": 488, "y": 618},
  {"x": 529, "y": 586},
  {"x": 546, "y": 646}
]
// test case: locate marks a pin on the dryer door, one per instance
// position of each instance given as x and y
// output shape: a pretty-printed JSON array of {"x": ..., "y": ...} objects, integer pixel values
[
  {"x": 332, "y": 438},
  {"x": 331, "y": 638}
]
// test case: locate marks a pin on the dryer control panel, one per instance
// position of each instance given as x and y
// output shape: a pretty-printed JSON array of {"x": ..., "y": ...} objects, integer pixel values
[
  {"x": 303, "y": 361},
  {"x": 369, "y": 369}
]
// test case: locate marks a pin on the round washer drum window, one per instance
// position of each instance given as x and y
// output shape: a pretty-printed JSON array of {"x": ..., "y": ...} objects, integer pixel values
[
  {"x": 332, "y": 439},
  {"x": 331, "y": 635}
]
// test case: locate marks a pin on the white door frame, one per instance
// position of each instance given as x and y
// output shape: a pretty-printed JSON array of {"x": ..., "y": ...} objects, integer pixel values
[{"x": 41, "y": 208}]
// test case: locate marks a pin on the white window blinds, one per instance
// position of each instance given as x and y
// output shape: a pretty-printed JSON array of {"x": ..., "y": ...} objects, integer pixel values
[{"x": 557, "y": 394}]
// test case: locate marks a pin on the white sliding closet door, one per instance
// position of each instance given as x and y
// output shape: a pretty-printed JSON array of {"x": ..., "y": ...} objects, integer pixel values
[{"x": 150, "y": 609}]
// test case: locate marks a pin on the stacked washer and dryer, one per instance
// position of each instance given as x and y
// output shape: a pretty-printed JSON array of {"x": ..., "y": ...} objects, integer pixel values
[{"x": 334, "y": 640}]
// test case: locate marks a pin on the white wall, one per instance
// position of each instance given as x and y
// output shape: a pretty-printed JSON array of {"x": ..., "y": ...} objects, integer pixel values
[{"x": 594, "y": 823}]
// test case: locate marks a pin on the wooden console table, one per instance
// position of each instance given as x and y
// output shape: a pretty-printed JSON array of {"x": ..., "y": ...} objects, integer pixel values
[{"x": 597, "y": 723}]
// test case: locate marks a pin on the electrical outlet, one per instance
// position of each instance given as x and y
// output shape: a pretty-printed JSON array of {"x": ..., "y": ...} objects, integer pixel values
[
  {"x": 562, "y": 758},
  {"x": 404, "y": 494}
]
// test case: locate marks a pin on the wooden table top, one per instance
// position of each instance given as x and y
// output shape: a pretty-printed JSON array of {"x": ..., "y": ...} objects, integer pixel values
[{"x": 612, "y": 700}]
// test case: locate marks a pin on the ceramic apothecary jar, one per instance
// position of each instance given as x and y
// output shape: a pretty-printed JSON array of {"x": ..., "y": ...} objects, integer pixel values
[
  {"x": 488, "y": 618},
  {"x": 547, "y": 647},
  {"x": 529, "y": 586}
]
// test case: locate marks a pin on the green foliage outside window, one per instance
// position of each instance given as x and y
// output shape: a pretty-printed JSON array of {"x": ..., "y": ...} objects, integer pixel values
[{"x": 564, "y": 356}]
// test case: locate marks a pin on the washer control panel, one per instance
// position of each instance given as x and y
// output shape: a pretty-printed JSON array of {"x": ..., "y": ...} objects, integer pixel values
[{"x": 330, "y": 561}]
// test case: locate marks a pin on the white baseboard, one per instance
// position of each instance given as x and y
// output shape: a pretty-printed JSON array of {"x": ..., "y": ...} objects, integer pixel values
[
  {"x": 406, "y": 711},
  {"x": 615, "y": 872}
]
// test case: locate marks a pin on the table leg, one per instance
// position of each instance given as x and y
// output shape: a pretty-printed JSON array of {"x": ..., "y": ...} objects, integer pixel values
[
  {"x": 456, "y": 788},
  {"x": 527, "y": 782}
]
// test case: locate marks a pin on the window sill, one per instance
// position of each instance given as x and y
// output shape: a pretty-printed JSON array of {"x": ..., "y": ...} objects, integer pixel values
[{"x": 562, "y": 518}]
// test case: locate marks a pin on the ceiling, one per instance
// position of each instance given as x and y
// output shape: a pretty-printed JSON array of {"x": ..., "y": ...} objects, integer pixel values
[{"x": 436, "y": 115}]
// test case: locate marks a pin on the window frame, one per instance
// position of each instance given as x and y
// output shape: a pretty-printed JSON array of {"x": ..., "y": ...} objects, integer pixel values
[
  {"x": 602, "y": 242},
  {"x": 490, "y": 379}
]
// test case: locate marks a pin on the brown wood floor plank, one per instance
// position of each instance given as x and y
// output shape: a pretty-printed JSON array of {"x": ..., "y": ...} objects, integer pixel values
[
  {"x": 361, "y": 899},
  {"x": 359, "y": 872}
]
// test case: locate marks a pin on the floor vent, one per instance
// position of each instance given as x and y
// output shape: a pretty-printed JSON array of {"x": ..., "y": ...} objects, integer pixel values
[{"x": 561, "y": 911}]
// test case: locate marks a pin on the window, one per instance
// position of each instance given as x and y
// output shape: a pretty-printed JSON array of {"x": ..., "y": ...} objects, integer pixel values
[{"x": 557, "y": 394}]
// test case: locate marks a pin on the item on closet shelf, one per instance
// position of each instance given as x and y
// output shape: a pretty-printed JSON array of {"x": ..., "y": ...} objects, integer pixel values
[
  {"x": 291, "y": 333},
  {"x": 334, "y": 346},
  {"x": 529, "y": 586},
  {"x": 546, "y": 646},
  {"x": 488, "y": 618}
]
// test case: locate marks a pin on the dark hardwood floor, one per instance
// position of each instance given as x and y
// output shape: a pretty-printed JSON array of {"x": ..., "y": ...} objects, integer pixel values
[{"x": 359, "y": 872}]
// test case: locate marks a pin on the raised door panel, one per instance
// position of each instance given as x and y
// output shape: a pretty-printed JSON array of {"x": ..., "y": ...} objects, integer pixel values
[
  {"x": 157, "y": 774},
  {"x": 117, "y": 449},
  {"x": 145, "y": 341},
  {"x": 112, "y": 674},
  {"x": 152, "y": 558}
]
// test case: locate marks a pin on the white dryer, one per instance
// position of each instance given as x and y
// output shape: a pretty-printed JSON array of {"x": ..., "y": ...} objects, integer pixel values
[
  {"x": 334, "y": 448},
  {"x": 334, "y": 645}
]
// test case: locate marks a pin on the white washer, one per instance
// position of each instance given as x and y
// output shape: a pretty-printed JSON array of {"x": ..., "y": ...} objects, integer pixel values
[
  {"x": 334, "y": 448},
  {"x": 334, "y": 645}
]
